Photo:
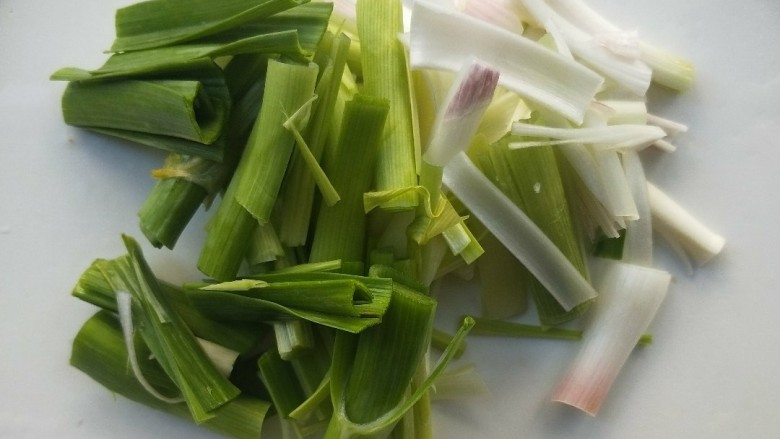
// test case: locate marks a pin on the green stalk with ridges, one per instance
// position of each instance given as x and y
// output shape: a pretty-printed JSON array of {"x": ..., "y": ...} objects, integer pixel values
[
  {"x": 341, "y": 228},
  {"x": 386, "y": 75}
]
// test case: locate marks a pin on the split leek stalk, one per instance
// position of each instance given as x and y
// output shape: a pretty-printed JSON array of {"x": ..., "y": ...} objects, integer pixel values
[
  {"x": 186, "y": 182},
  {"x": 175, "y": 108},
  {"x": 386, "y": 76},
  {"x": 532, "y": 181},
  {"x": 264, "y": 162},
  {"x": 93, "y": 287},
  {"x": 100, "y": 352},
  {"x": 167, "y": 59},
  {"x": 259, "y": 174},
  {"x": 341, "y": 229},
  {"x": 519, "y": 234},
  {"x": 346, "y": 302},
  {"x": 371, "y": 372},
  {"x": 183, "y": 120},
  {"x": 170, "y": 340},
  {"x": 630, "y": 297},
  {"x": 149, "y": 24},
  {"x": 299, "y": 189}
]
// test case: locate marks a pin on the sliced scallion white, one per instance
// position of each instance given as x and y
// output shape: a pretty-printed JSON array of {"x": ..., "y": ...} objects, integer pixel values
[{"x": 443, "y": 39}]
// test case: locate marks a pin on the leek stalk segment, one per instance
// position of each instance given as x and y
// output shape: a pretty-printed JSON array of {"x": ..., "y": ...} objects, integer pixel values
[
  {"x": 386, "y": 76},
  {"x": 99, "y": 351},
  {"x": 630, "y": 297},
  {"x": 150, "y": 24},
  {"x": 518, "y": 233},
  {"x": 265, "y": 159},
  {"x": 340, "y": 229},
  {"x": 168, "y": 337},
  {"x": 346, "y": 302},
  {"x": 681, "y": 228},
  {"x": 371, "y": 372},
  {"x": 442, "y": 39}
]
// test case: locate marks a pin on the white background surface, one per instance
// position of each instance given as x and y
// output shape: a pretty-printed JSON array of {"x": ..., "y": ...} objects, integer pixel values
[{"x": 713, "y": 371}]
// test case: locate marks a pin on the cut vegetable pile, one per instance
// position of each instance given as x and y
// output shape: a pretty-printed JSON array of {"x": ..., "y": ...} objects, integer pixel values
[{"x": 352, "y": 164}]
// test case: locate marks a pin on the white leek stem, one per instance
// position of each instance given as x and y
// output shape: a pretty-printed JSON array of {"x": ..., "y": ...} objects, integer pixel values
[
  {"x": 506, "y": 14},
  {"x": 442, "y": 39},
  {"x": 517, "y": 232},
  {"x": 668, "y": 69},
  {"x": 630, "y": 297},
  {"x": 638, "y": 245},
  {"x": 674, "y": 223},
  {"x": 631, "y": 74}
]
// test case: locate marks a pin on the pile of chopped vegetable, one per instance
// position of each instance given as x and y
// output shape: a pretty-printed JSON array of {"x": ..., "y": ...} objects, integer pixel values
[{"x": 355, "y": 163}]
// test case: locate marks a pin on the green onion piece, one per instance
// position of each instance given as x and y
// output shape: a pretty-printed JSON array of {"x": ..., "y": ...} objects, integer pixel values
[
  {"x": 347, "y": 302},
  {"x": 517, "y": 232},
  {"x": 228, "y": 235},
  {"x": 611, "y": 248},
  {"x": 682, "y": 229},
  {"x": 203, "y": 74},
  {"x": 299, "y": 188},
  {"x": 463, "y": 243},
  {"x": 293, "y": 338},
  {"x": 264, "y": 162},
  {"x": 265, "y": 245},
  {"x": 530, "y": 178},
  {"x": 172, "y": 108},
  {"x": 441, "y": 339},
  {"x": 151, "y": 24},
  {"x": 170, "y": 340},
  {"x": 381, "y": 362},
  {"x": 496, "y": 327},
  {"x": 443, "y": 39},
  {"x": 630, "y": 297},
  {"x": 502, "y": 279},
  {"x": 279, "y": 378},
  {"x": 176, "y": 58},
  {"x": 170, "y": 205},
  {"x": 341, "y": 229},
  {"x": 92, "y": 287},
  {"x": 310, "y": 20},
  {"x": 386, "y": 75},
  {"x": 346, "y": 349},
  {"x": 99, "y": 351}
]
